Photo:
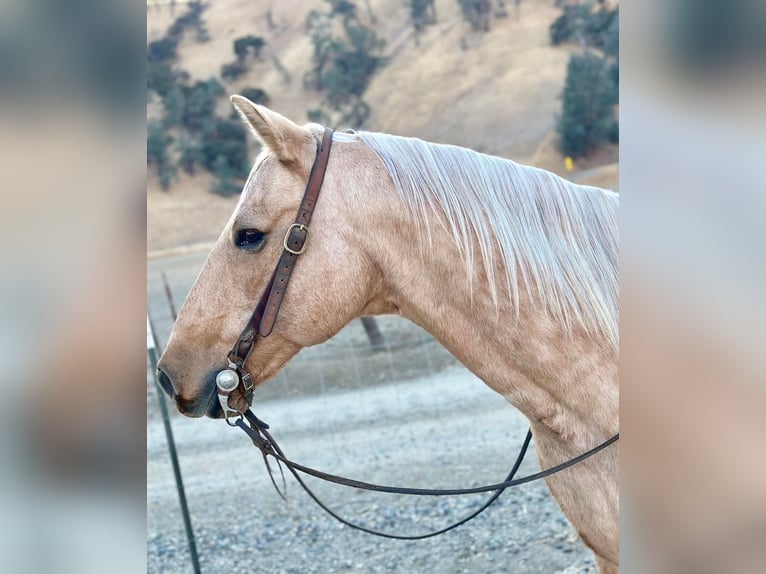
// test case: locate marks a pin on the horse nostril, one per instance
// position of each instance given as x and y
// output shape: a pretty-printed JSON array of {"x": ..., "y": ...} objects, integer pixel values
[{"x": 166, "y": 383}]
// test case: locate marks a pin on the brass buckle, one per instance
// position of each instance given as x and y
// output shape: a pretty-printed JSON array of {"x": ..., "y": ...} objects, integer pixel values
[{"x": 300, "y": 227}]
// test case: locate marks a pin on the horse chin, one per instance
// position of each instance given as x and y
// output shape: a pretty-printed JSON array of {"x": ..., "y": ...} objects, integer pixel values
[
  {"x": 193, "y": 409},
  {"x": 214, "y": 410}
]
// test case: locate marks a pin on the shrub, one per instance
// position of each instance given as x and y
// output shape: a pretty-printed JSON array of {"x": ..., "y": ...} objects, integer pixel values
[
  {"x": 200, "y": 103},
  {"x": 476, "y": 13},
  {"x": 157, "y": 142},
  {"x": 232, "y": 71},
  {"x": 226, "y": 138},
  {"x": 162, "y": 50},
  {"x": 248, "y": 45},
  {"x": 256, "y": 95},
  {"x": 588, "y": 105}
]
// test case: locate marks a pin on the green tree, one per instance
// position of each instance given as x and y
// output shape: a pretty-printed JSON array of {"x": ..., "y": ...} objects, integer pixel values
[
  {"x": 422, "y": 13},
  {"x": 319, "y": 28},
  {"x": 610, "y": 38},
  {"x": 226, "y": 138},
  {"x": 355, "y": 113},
  {"x": 160, "y": 77},
  {"x": 202, "y": 138},
  {"x": 157, "y": 142},
  {"x": 256, "y": 95},
  {"x": 248, "y": 45},
  {"x": 477, "y": 13},
  {"x": 597, "y": 24},
  {"x": 189, "y": 153},
  {"x": 173, "y": 103},
  {"x": 232, "y": 70},
  {"x": 191, "y": 18},
  {"x": 342, "y": 65},
  {"x": 319, "y": 116},
  {"x": 592, "y": 24},
  {"x": 588, "y": 117},
  {"x": 352, "y": 65},
  {"x": 569, "y": 24},
  {"x": 343, "y": 8},
  {"x": 502, "y": 12},
  {"x": 162, "y": 50},
  {"x": 225, "y": 182},
  {"x": 201, "y": 99}
]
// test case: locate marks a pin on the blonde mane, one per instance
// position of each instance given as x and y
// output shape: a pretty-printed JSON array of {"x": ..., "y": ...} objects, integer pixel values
[{"x": 561, "y": 238}]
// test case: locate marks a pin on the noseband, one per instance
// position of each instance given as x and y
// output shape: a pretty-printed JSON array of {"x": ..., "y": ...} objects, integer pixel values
[{"x": 261, "y": 322}]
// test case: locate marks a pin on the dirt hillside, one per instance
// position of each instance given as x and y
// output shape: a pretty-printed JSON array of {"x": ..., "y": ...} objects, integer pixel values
[{"x": 496, "y": 92}]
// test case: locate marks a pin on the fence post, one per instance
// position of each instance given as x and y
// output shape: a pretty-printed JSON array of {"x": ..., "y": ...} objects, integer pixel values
[
  {"x": 373, "y": 334},
  {"x": 151, "y": 350}
]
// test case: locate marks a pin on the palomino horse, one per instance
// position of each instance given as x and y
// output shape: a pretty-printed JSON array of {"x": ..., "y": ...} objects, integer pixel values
[{"x": 511, "y": 268}]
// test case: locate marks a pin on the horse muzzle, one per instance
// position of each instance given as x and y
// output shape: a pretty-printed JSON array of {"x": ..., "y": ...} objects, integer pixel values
[{"x": 194, "y": 407}]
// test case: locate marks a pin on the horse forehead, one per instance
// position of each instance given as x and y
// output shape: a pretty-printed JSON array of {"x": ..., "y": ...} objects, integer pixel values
[
  {"x": 262, "y": 167},
  {"x": 265, "y": 182}
]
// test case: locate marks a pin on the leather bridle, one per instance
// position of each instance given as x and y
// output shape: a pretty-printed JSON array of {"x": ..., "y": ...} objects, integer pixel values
[
  {"x": 261, "y": 323},
  {"x": 262, "y": 320}
]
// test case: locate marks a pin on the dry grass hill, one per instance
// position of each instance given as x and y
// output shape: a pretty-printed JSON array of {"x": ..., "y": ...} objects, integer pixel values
[{"x": 496, "y": 92}]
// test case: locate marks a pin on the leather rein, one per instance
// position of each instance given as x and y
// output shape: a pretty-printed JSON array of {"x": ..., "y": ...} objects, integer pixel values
[{"x": 261, "y": 323}]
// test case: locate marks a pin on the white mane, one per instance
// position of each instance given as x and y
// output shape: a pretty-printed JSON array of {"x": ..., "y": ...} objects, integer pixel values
[{"x": 562, "y": 237}]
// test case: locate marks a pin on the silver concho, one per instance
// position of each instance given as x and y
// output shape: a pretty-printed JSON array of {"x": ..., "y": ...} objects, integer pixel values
[{"x": 227, "y": 380}]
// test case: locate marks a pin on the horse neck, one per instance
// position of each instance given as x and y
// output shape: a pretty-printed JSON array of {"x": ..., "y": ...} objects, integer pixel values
[{"x": 558, "y": 377}]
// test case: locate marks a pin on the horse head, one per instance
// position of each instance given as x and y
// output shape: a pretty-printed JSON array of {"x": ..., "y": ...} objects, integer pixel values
[{"x": 334, "y": 280}]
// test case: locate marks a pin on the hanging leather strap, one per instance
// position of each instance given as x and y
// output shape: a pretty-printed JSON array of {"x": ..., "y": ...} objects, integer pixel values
[
  {"x": 258, "y": 432},
  {"x": 295, "y": 241}
]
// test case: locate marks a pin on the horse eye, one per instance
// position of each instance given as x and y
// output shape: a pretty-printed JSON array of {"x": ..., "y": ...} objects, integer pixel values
[{"x": 250, "y": 239}]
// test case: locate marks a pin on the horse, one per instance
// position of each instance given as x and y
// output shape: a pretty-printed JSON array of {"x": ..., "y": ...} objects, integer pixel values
[{"x": 512, "y": 268}]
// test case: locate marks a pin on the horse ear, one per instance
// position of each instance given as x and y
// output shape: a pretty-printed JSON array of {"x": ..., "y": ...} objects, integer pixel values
[{"x": 281, "y": 136}]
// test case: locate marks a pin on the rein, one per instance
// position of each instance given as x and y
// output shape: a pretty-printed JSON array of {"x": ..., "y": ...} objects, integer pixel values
[
  {"x": 258, "y": 432},
  {"x": 256, "y": 429},
  {"x": 261, "y": 323}
]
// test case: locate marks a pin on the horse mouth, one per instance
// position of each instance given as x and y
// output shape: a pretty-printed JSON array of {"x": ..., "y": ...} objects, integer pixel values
[
  {"x": 196, "y": 408},
  {"x": 201, "y": 406},
  {"x": 214, "y": 410}
]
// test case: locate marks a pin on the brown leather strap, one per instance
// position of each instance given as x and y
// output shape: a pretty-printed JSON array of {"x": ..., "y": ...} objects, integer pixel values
[
  {"x": 258, "y": 432},
  {"x": 295, "y": 241}
]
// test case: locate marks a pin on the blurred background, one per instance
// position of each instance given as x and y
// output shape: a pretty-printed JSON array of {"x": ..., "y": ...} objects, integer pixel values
[
  {"x": 85, "y": 480},
  {"x": 535, "y": 81}
]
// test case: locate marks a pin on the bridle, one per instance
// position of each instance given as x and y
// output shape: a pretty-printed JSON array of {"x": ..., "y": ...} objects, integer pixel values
[
  {"x": 264, "y": 315},
  {"x": 261, "y": 323}
]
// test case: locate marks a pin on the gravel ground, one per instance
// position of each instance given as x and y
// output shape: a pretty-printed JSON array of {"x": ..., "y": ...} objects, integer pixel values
[{"x": 444, "y": 430}]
